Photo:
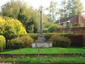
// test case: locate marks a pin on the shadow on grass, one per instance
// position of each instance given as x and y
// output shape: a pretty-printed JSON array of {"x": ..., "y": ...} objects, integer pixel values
[{"x": 9, "y": 50}]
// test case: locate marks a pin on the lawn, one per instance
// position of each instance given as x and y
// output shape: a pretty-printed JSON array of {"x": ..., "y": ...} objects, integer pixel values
[
  {"x": 53, "y": 50},
  {"x": 42, "y": 59}
]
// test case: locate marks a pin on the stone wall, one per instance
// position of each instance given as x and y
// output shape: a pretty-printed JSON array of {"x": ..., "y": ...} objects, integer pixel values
[{"x": 76, "y": 30}]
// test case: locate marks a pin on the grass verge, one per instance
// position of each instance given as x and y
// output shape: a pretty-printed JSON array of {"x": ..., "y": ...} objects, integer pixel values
[
  {"x": 43, "y": 59},
  {"x": 53, "y": 50}
]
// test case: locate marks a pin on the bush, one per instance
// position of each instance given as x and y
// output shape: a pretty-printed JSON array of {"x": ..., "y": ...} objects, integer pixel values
[
  {"x": 9, "y": 26},
  {"x": 15, "y": 43},
  {"x": 60, "y": 41},
  {"x": 2, "y": 43},
  {"x": 1, "y": 46},
  {"x": 27, "y": 41},
  {"x": 20, "y": 42}
]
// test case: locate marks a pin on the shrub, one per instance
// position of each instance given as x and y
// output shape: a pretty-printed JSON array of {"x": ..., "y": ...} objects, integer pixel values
[
  {"x": 2, "y": 43},
  {"x": 60, "y": 41},
  {"x": 1, "y": 46},
  {"x": 15, "y": 43},
  {"x": 9, "y": 26},
  {"x": 20, "y": 42},
  {"x": 27, "y": 41}
]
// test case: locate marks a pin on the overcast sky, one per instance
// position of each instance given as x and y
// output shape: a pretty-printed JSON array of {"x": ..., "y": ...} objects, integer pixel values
[{"x": 37, "y": 3}]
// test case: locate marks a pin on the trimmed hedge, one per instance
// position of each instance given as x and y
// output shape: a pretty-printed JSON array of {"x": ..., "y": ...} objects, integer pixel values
[
  {"x": 2, "y": 43},
  {"x": 76, "y": 40}
]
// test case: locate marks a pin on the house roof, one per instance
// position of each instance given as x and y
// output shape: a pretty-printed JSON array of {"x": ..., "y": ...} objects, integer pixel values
[{"x": 65, "y": 19}]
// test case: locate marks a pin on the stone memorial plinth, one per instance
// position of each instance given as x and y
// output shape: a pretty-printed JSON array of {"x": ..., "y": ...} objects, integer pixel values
[{"x": 42, "y": 45}]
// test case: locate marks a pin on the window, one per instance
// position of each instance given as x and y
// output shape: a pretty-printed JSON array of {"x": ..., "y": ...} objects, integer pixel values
[{"x": 64, "y": 24}]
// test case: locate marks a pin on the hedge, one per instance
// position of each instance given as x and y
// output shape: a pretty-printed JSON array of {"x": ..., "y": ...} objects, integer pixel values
[
  {"x": 76, "y": 40},
  {"x": 2, "y": 43}
]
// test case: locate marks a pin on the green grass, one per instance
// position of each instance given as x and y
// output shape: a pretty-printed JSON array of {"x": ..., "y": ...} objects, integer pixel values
[
  {"x": 43, "y": 59},
  {"x": 53, "y": 50}
]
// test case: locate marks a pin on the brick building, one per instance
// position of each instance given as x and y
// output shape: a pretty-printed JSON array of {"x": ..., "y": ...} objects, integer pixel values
[{"x": 73, "y": 19}]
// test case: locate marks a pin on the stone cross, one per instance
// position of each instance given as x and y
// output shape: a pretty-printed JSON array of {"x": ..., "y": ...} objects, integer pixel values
[
  {"x": 41, "y": 24},
  {"x": 41, "y": 37}
]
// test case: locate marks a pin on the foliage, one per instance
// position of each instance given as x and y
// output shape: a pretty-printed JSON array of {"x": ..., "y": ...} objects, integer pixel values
[
  {"x": 45, "y": 30},
  {"x": 23, "y": 41},
  {"x": 47, "y": 35},
  {"x": 47, "y": 24},
  {"x": 27, "y": 41},
  {"x": 60, "y": 41},
  {"x": 9, "y": 26},
  {"x": 69, "y": 26},
  {"x": 70, "y": 8},
  {"x": 15, "y": 44},
  {"x": 50, "y": 27},
  {"x": 1, "y": 46},
  {"x": 34, "y": 36},
  {"x": 23, "y": 12},
  {"x": 76, "y": 25},
  {"x": 17, "y": 35},
  {"x": 80, "y": 25},
  {"x": 2, "y": 43},
  {"x": 29, "y": 19},
  {"x": 53, "y": 27},
  {"x": 52, "y": 11}
]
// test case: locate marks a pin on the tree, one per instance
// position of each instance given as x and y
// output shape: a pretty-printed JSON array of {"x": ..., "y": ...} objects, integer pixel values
[
  {"x": 70, "y": 8},
  {"x": 52, "y": 11},
  {"x": 63, "y": 10},
  {"x": 23, "y": 12},
  {"x": 11, "y": 9}
]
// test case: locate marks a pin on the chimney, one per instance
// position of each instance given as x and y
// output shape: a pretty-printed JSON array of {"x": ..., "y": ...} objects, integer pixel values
[{"x": 79, "y": 17}]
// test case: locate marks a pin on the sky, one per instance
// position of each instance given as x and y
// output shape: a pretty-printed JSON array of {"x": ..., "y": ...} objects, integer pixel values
[{"x": 38, "y": 3}]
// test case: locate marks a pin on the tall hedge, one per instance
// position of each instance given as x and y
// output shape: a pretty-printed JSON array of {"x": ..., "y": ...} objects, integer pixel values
[{"x": 2, "y": 43}]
